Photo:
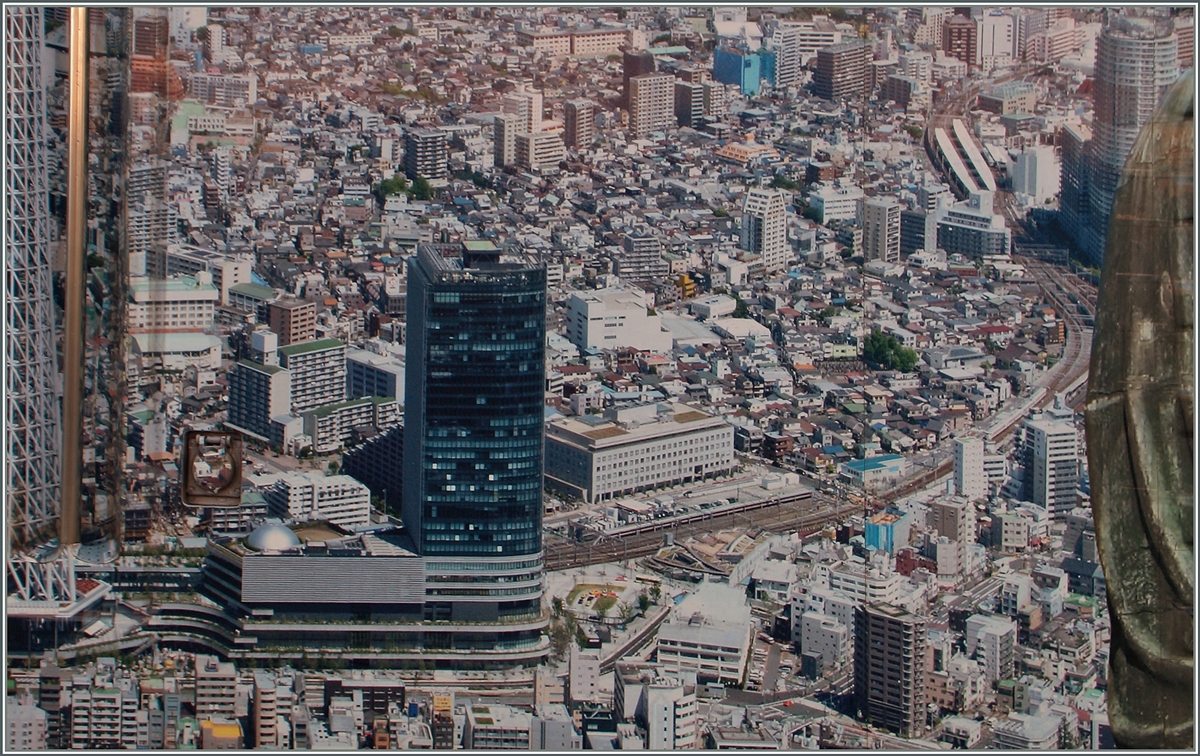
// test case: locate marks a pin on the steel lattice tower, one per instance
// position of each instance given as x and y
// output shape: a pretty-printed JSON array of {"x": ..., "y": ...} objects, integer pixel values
[{"x": 31, "y": 406}]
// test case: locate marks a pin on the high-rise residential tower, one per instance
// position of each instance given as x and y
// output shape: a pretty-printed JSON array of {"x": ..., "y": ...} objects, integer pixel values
[
  {"x": 970, "y": 480},
  {"x": 889, "y": 667},
  {"x": 651, "y": 104},
  {"x": 842, "y": 70},
  {"x": 1052, "y": 459},
  {"x": 881, "y": 229},
  {"x": 764, "y": 227},
  {"x": 1136, "y": 60},
  {"x": 425, "y": 154},
  {"x": 634, "y": 63},
  {"x": 580, "y": 123}
]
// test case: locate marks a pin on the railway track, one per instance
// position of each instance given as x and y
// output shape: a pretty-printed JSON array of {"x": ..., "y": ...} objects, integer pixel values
[{"x": 778, "y": 516}]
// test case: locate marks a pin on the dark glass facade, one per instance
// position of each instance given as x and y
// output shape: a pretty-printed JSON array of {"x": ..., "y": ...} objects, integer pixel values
[{"x": 474, "y": 401}]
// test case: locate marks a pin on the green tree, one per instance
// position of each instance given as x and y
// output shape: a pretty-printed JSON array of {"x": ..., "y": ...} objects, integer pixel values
[
  {"x": 395, "y": 185},
  {"x": 720, "y": 212},
  {"x": 643, "y": 601},
  {"x": 740, "y": 310},
  {"x": 885, "y": 351},
  {"x": 334, "y": 466},
  {"x": 421, "y": 189},
  {"x": 603, "y": 605},
  {"x": 783, "y": 182},
  {"x": 626, "y": 612},
  {"x": 655, "y": 594},
  {"x": 914, "y": 131},
  {"x": 557, "y": 605}
]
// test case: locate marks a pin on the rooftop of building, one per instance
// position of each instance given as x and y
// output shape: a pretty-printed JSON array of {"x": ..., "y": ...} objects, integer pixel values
[{"x": 305, "y": 347}]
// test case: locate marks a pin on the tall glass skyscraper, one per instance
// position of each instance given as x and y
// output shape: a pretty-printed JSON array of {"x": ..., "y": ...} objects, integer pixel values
[
  {"x": 474, "y": 430},
  {"x": 474, "y": 412}
]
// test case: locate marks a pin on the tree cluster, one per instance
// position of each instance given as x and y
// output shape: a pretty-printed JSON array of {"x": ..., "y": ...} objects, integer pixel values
[{"x": 885, "y": 351}]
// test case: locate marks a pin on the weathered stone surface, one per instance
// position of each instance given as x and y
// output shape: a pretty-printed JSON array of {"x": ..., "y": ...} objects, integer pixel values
[{"x": 1139, "y": 431}]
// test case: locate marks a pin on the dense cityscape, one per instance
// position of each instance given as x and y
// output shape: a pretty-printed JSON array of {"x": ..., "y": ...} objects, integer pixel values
[{"x": 558, "y": 378}]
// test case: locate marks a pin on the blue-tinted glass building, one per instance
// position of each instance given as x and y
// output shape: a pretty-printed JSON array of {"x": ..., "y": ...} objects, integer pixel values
[
  {"x": 474, "y": 401},
  {"x": 745, "y": 69}
]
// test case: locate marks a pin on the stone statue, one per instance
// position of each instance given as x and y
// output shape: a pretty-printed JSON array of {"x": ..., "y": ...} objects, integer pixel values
[{"x": 1139, "y": 432}]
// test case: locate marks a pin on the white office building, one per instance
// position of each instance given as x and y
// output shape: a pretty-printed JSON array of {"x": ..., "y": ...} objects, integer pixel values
[
  {"x": 1036, "y": 174},
  {"x": 970, "y": 478},
  {"x": 836, "y": 203},
  {"x": 709, "y": 634},
  {"x": 995, "y": 45},
  {"x": 614, "y": 318},
  {"x": 338, "y": 499},
  {"x": 636, "y": 449},
  {"x": 826, "y": 636},
  {"x": 539, "y": 151},
  {"x": 174, "y": 305},
  {"x": 764, "y": 227}
]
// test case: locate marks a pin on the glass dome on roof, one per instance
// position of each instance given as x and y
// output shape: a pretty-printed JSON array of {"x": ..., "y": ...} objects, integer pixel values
[{"x": 272, "y": 536}]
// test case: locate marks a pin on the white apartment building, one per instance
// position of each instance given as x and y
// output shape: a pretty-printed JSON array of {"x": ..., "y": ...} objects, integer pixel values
[
  {"x": 318, "y": 372},
  {"x": 639, "y": 449},
  {"x": 881, "y": 229},
  {"x": 651, "y": 104},
  {"x": 869, "y": 584},
  {"x": 825, "y": 636},
  {"x": 539, "y": 151},
  {"x": 174, "y": 305},
  {"x": 24, "y": 728},
  {"x": 338, "y": 499},
  {"x": 257, "y": 395},
  {"x": 836, "y": 203},
  {"x": 970, "y": 480},
  {"x": 226, "y": 90},
  {"x": 971, "y": 228},
  {"x": 348, "y": 40},
  {"x": 216, "y": 687},
  {"x": 614, "y": 318},
  {"x": 709, "y": 634},
  {"x": 796, "y": 43},
  {"x": 497, "y": 727},
  {"x": 825, "y": 602},
  {"x": 993, "y": 641},
  {"x": 764, "y": 227},
  {"x": 584, "y": 676},
  {"x": 1052, "y": 454},
  {"x": 103, "y": 717},
  {"x": 669, "y": 715}
]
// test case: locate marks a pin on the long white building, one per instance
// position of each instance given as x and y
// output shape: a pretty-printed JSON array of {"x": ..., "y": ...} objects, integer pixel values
[
  {"x": 614, "y": 318},
  {"x": 174, "y": 305},
  {"x": 338, "y": 499},
  {"x": 639, "y": 449}
]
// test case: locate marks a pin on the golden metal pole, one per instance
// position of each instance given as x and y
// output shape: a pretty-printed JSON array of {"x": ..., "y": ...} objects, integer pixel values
[{"x": 73, "y": 325}]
